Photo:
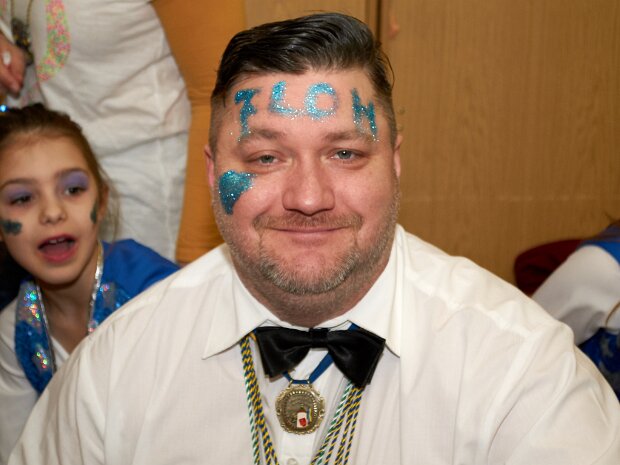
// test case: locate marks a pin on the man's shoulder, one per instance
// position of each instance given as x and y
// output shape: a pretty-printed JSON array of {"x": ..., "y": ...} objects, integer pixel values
[{"x": 463, "y": 286}]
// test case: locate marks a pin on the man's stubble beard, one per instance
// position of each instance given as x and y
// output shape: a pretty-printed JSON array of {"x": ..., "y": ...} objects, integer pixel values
[{"x": 325, "y": 293}]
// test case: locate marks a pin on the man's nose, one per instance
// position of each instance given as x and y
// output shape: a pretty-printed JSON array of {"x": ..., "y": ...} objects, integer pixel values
[{"x": 309, "y": 188}]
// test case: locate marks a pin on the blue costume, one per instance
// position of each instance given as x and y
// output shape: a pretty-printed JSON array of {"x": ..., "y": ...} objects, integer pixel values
[
  {"x": 128, "y": 269},
  {"x": 604, "y": 347}
]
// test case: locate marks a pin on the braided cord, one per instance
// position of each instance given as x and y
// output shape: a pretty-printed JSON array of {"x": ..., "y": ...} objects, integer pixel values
[
  {"x": 346, "y": 413},
  {"x": 257, "y": 417}
]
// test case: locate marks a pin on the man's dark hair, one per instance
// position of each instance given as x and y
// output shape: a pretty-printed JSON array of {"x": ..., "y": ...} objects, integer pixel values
[{"x": 325, "y": 41}]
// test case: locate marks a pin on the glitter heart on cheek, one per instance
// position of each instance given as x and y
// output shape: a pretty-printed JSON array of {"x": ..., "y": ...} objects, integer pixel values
[{"x": 231, "y": 185}]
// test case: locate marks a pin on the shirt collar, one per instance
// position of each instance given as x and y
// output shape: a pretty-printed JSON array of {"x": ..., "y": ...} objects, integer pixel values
[{"x": 237, "y": 312}]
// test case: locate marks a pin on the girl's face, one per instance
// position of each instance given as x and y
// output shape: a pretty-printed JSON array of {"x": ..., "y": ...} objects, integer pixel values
[{"x": 49, "y": 211}]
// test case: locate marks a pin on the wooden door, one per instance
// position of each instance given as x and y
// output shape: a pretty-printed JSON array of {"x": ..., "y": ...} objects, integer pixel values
[{"x": 511, "y": 117}]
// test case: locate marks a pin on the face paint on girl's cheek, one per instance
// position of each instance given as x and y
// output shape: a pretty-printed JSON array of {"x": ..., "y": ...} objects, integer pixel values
[
  {"x": 360, "y": 111},
  {"x": 11, "y": 227},
  {"x": 231, "y": 185},
  {"x": 93, "y": 212}
]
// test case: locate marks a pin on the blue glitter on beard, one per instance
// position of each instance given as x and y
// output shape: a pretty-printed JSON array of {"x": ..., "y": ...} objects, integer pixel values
[
  {"x": 11, "y": 227},
  {"x": 247, "y": 109},
  {"x": 360, "y": 111},
  {"x": 311, "y": 98},
  {"x": 231, "y": 185}
]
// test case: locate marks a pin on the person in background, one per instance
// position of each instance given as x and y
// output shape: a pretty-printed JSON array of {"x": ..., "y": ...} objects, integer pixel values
[
  {"x": 198, "y": 33},
  {"x": 109, "y": 66},
  {"x": 53, "y": 197},
  {"x": 321, "y": 332},
  {"x": 584, "y": 293}
]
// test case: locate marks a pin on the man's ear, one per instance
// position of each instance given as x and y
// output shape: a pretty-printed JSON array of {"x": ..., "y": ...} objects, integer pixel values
[
  {"x": 399, "y": 140},
  {"x": 210, "y": 159}
]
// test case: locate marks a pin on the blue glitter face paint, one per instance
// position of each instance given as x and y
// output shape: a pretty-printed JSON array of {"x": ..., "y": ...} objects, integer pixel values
[
  {"x": 231, "y": 185},
  {"x": 93, "y": 213},
  {"x": 247, "y": 109},
  {"x": 360, "y": 111},
  {"x": 311, "y": 100},
  {"x": 276, "y": 103},
  {"x": 11, "y": 227}
]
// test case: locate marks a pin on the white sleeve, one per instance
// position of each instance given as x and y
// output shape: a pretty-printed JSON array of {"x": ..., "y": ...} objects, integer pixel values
[
  {"x": 17, "y": 396},
  {"x": 583, "y": 291},
  {"x": 67, "y": 424}
]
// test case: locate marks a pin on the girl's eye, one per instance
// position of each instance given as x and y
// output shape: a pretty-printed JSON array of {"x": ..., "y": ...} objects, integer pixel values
[
  {"x": 20, "y": 199},
  {"x": 74, "y": 183},
  {"x": 74, "y": 190}
]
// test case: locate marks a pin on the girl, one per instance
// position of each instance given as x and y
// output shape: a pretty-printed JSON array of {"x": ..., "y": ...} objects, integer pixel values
[{"x": 53, "y": 197}]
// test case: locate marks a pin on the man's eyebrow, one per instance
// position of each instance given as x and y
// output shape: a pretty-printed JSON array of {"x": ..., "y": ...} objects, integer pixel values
[
  {"x": 348, "y": 135},
  {"x": 261, "y": 133}
]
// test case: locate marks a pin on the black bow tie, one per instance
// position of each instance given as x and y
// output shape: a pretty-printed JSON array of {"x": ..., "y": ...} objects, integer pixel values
[{"x": 355, "y": 352}]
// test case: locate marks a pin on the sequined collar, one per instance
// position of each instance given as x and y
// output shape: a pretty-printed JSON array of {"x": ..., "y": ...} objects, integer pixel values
[{"x": 33, "y": 345}]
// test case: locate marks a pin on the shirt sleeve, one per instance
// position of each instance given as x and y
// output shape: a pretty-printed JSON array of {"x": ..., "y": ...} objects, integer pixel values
[
  {"x": 198, "y": 32},
  {"x": 67, "y": 425},
  {"x": 17, "y": 396},
  {"x": 583, "y": 292}
]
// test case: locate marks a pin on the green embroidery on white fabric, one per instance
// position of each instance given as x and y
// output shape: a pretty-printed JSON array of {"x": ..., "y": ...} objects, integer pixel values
[{"x": 58, "y": 41}]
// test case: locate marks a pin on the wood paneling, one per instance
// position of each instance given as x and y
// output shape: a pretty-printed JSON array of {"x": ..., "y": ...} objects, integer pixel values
[
  {"x": 262, "y": 11},
  {"x": 511, "y": 117}
]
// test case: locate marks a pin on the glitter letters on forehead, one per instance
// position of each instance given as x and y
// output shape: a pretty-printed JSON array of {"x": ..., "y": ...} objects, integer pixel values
[
  {"x": 277, "y": 104},
  {"x": 11, "y": 227},
  {"x": 360, "y": 111},
  {"x": 247, "y": 109},
  {"x": 231, "y": 185},
  {"x": 278, "y": 93}
]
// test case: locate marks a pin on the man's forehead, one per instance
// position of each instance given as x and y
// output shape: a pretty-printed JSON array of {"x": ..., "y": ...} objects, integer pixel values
[
  {"x": 299, "y": 83},
  {"x": 314, "y": 96}
]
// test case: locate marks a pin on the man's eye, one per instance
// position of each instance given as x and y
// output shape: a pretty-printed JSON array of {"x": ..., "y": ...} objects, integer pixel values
[
  {"x": 345, "y": 154},
  {"x": 266, "y": 159}
]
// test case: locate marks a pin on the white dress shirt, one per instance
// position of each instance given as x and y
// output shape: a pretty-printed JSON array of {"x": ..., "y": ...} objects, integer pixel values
[
  {"x": 473, "y": 373},
  {"x": 17, "y": 396},
  {"x": 584, "y": 292}
]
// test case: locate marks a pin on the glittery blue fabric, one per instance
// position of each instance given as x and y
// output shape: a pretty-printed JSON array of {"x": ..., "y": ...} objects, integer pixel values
[
  {"x": 231, "y": 185},
  {"x": 129, "y": 268},
  {"x": 32, "y": 345}
]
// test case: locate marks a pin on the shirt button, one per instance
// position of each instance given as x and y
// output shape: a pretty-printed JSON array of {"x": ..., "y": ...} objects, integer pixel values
[{"x": 291, "y": 462}]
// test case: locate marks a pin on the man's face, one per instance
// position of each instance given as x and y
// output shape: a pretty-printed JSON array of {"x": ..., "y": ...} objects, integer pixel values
[{"x": 305, "y": 181}]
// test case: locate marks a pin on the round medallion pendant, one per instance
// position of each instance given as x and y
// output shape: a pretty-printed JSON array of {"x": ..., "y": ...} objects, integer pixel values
[{"x": 300, "y": 409}]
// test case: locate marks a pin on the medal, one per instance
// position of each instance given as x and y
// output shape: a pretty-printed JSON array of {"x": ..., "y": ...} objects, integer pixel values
[{"x": 300, "y": 408}]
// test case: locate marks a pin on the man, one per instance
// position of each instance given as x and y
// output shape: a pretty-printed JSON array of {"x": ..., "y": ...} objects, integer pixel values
[{"x": 304, "y": 164}]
